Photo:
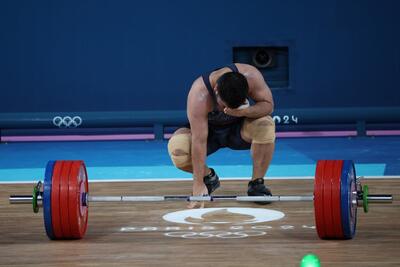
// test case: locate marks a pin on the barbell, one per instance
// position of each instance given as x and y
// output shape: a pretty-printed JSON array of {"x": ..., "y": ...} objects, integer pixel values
[{"x": 64, "y": 196}]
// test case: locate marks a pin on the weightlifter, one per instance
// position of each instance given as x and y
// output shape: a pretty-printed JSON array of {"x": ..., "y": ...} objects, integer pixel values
[{"x": 220, "y": 115}]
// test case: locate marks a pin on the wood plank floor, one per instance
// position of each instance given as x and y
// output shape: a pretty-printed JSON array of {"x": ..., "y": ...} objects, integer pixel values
[{"x": 137, "y": 235}]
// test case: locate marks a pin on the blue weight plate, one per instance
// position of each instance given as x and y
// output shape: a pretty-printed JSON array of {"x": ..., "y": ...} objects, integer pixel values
[
  {"x": 348, "y": 208},
  {"x": 47, "y": 199}
]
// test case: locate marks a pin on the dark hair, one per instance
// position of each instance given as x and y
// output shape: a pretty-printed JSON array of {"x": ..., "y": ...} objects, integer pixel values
[{"x": 233, "y": 89}]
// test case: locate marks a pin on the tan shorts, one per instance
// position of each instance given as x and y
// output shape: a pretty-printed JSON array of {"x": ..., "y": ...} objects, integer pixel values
[{"x": 259, "y": 131}]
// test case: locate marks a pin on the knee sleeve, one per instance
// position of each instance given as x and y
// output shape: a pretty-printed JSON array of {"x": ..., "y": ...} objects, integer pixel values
[
  {"x": 179, "y": 149},
  {"x": 260, "y": 131}
]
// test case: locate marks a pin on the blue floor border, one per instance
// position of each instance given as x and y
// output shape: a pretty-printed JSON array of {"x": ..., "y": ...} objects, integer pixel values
[{"x": 146, "y": 160}]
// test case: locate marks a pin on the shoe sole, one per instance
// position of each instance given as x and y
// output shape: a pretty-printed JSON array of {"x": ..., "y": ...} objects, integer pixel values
[{"x": 212, "y": 187}]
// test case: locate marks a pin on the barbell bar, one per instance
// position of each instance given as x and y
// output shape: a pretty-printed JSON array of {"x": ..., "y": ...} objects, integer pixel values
[{"x": 27, "y": 199}]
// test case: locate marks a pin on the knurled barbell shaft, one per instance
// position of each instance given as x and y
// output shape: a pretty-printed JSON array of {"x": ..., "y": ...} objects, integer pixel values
[
  {"x": 293, "y": 198},
  {"x": 197, "y": 198}
]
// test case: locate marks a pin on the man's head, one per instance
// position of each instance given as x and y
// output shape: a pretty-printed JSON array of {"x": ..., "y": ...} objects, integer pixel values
[{"x": 232, "y": 88}]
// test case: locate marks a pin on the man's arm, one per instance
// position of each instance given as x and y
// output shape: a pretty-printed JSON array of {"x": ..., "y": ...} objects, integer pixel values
[{"x": 197, "y": 113}]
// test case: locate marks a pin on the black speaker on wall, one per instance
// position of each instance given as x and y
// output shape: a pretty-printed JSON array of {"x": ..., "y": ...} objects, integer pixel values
[{"x": 263, "y": 58}]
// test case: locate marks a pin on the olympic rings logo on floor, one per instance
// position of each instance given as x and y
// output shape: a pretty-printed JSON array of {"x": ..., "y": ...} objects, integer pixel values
[
  {"x": 67, "y": 121},
  {"x": 216, "y": 234}
]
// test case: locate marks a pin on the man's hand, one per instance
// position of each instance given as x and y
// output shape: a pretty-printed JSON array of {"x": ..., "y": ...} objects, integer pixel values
[
  {"x": 199, "y": 189},
  {"x": 238, "y": 112}
]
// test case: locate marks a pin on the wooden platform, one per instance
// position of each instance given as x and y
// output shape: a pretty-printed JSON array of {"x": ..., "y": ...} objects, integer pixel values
[{"x": 137, "y": 235}]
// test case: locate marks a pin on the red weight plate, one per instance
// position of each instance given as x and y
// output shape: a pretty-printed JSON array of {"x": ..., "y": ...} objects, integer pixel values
[
  {"x": 327, "y": 185},
  {"x": 64, "y": 199},
  {"x": 74, "y": 199},
  {"x": 336, "y": 196},
  {"x": 55, "y": 200},
  {"x": 78, "y": 213},
  {"x": 84, "y": 189},
  {"x": 319, "y": 199}
]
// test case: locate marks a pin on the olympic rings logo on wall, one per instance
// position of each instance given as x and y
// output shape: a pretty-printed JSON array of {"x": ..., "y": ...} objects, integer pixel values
[{"x": 67, "y": 121}]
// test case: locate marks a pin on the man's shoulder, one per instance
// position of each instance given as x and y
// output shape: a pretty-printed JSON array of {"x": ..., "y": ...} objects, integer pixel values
[
  {"x": 246, "y": 67},
  {"x": 198, "y": 86},
  {"x": 199, "y": 98}
]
